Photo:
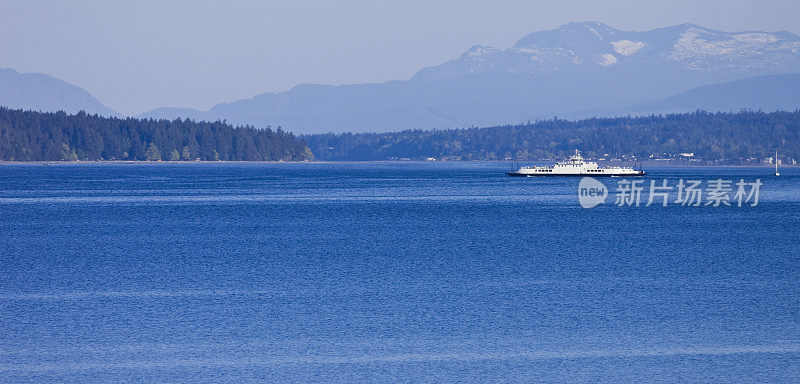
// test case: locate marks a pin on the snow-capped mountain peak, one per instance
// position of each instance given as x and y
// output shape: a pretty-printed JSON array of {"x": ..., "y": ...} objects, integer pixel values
[
  {"x": 596, "y": 47},
  {"x": 706, "y": 50}
]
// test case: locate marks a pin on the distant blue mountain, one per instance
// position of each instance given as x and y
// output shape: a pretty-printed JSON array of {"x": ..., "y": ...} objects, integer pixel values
[
  {"x": 39, "y": 92},
  {"x": 577, "y": 70},
  {"x": 766, "y": 93}
]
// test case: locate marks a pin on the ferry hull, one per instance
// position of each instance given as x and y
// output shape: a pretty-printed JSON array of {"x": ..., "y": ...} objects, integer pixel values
[{"x": 518, "y": 174}]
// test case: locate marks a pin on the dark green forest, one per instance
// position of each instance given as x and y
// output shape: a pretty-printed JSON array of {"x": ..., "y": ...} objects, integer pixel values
[
  {"x": 731, "y": 137},
  {"x": 720, "y": 137},
  {"x": 38, "y": 136}
]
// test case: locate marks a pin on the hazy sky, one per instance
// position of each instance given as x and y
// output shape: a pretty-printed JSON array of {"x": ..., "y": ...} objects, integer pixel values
[{"x": 139, "y": 55}]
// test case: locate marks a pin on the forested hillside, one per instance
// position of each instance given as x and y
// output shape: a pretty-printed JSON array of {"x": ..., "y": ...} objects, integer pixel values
[
  {"x": 743, "y": 136},
  {"x": 710, "y": 136},
  {"x": 35, "y": 136}
]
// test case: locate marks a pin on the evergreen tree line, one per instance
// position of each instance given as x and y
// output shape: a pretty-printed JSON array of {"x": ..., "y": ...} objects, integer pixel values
[
  {"x": 44, "y": 136},
  {"x": 710, "y": 136}
]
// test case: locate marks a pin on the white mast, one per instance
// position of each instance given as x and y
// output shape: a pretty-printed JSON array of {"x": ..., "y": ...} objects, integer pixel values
[{"x": 776, "y": 164}]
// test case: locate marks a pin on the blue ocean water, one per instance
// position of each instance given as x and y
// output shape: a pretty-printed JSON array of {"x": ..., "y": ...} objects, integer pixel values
[{"x": 387, "y": 272}]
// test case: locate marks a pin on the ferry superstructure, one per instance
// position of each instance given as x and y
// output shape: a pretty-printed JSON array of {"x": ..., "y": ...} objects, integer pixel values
[{"x": 575, "y": 166}]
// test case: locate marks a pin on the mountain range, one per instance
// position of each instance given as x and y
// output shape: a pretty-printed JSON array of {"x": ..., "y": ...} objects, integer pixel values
[
  {"x": 40, "y": 92},
  {"x": 577, "y": 70}
]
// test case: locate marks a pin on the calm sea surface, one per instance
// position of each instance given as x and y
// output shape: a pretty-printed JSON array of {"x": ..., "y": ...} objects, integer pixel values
[{"x": 391, "y": 272}]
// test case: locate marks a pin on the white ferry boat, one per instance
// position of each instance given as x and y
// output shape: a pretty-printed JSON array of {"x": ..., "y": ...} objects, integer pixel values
[{"x": 575, "y": 166}]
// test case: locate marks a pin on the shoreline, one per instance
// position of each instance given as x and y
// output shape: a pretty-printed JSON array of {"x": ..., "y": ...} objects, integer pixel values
[{"x": 130, "y": 162}]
